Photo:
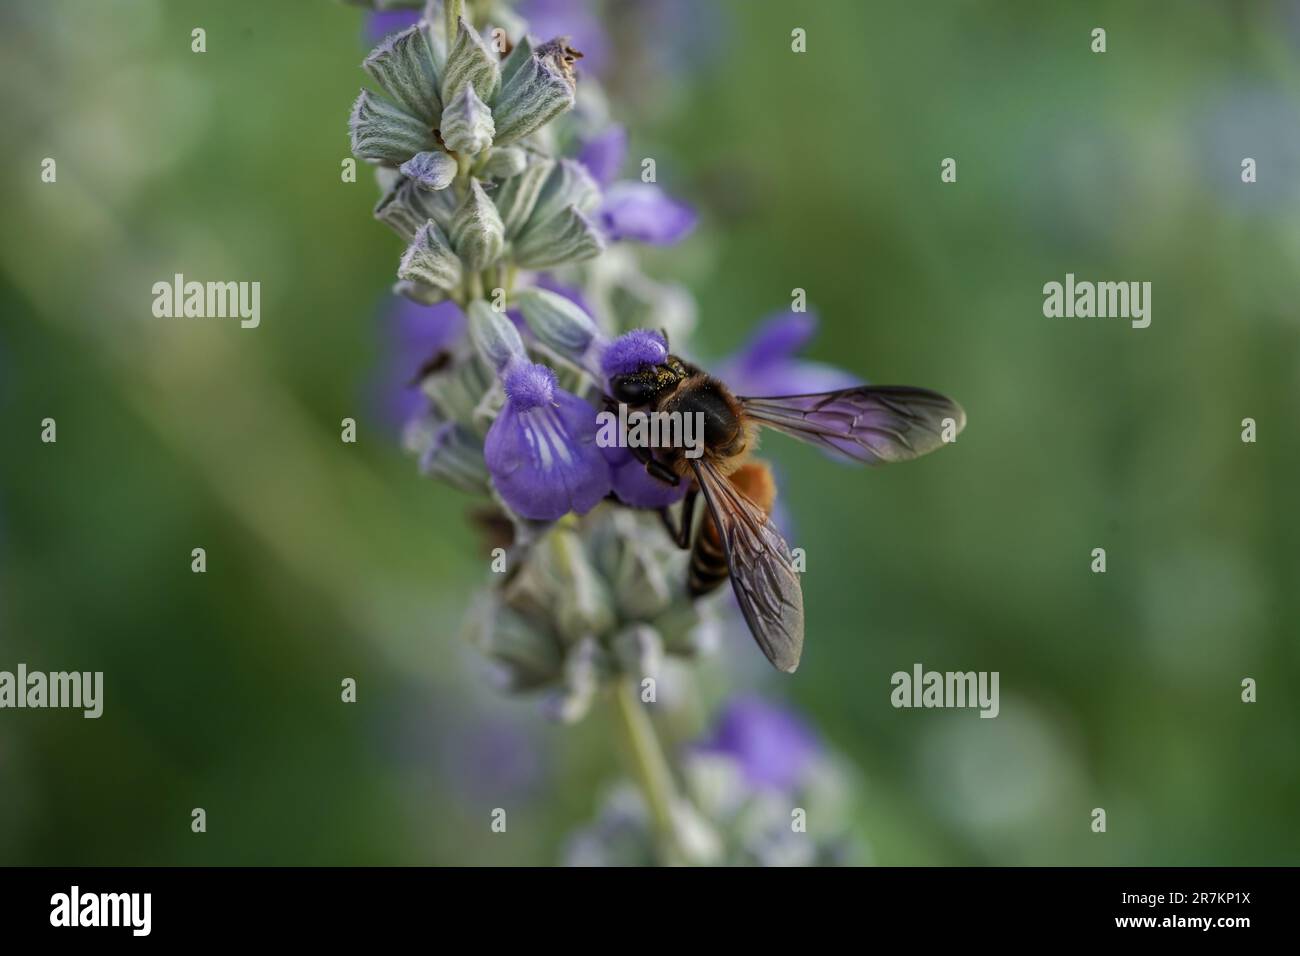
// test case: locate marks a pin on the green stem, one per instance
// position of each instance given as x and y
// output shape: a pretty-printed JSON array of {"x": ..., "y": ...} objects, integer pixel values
[
  {"x": 474, "y": 287},
  {"x": 649, "y": 763}
]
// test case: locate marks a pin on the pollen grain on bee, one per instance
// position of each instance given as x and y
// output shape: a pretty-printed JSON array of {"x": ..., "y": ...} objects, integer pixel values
[{"x": 636, "y": 428}]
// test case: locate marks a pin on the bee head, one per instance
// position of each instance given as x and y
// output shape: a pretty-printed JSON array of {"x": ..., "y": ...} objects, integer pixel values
[
  {"x": 638, "y": 368},
  {"x": 635, "y": 388}
]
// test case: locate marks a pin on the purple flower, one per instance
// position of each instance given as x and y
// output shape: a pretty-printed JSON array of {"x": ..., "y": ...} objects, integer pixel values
[
  {"x": 631, "y": 209},
  {"x": 490, "y": 755},
  {"x": 417, "y": 334},
  {"x": 643, "y": 212},
  {"x": 632, "y": 351},
  {"x": 766, "y": 365},
  {"x": 541, "y": 450},
  {"x": 773, "y": 747},
  {"x": 574, "y": 19},
  {"x": 384, "y": 22},
  {"x": 603, "y": 154},
  {"x": 637, "y": 487}
]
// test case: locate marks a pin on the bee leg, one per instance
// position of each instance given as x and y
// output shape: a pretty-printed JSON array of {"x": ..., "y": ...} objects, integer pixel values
[
  {"x": 681, "y": 534},
  {"x": 656, "y": 468}
]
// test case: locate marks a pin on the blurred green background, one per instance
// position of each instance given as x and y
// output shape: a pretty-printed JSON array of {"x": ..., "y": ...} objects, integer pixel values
[{"x": 818, "y": 171}]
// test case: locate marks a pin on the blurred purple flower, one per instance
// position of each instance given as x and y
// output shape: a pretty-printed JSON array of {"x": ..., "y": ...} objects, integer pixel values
[
  {"x": 637, "y": 487},
  {"x": 492, "y": 755},
  {"x": 541, "y": 449},
  {"x": 384, "y": 22},
  {"x": 603, "y": 155},
  {"x": 773, "y": 746},
  {"x": 574, "y": 19},
  {"x": 642, "y": 212},
  {"x": 416, "y": 335},
  {"x": 632, "y": 351},
  {"x": 766, "y": 364},
  {"x": 631, "y": 209},
  {"x": 674, "y": 35}
]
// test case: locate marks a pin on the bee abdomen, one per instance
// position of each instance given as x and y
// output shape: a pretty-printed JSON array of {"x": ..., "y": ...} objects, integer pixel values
[
  {"x": 708, "y": 557},
  {"x": 708, "y": 562}
]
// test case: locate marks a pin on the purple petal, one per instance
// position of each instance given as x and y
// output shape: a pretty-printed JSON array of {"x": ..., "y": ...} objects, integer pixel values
[
  {"x": 766, "y": 365},
  {"x": 772, "y": 745},
  {"x": 634, "y": 485},
  {"x": 603, "y": 155},
  {"x": 574, "y": 19},
  {"x": 530, "y": 386},
  {"x": 642, "y": 212},
  {"x": 779, "y": 336},
  {"x": 384, "y": 22},
  {"x": 632, "y": 351},
  {"x": 792, "y": 378},
  {"x": 541, "y": 450},
  {"x": 416, "y": 334},
  {"x": 486, "y": 755}
]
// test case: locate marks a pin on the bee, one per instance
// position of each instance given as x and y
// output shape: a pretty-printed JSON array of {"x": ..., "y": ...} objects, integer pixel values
[{"x": 870, "y": 425}]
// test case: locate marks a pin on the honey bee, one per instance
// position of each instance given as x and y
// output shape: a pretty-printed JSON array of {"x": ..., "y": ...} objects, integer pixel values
[{"x": 869, "y": 424}]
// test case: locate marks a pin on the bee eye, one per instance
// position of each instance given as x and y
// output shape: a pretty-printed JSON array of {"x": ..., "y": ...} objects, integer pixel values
[{"x": 630, "y": 389}]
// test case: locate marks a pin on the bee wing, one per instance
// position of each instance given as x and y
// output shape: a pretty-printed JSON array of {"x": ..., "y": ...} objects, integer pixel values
[
  {"x": 759, "y": 563},
  {"x": 875, "y": 425}
]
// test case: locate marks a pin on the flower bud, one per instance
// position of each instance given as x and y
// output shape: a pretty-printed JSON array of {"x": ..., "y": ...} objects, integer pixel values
[
  {"x": 477, "y": 234},
  {"x": 403, "y": 67},
  {"x": 467, "y": 123},
  {"x": 524, "y": 656},
  {"x": 504, "y": 162},
  {"x": 557, "y": 322},
  {"x": 384, "y": 132},
  {"x": 405, "y": 207},
  {"x": 430, "y": 261},
  {"x": 538, "y": 89},
  {"x": 494, "y": 335},
  {"x": 516, "y": 197},
  {"x": 582, "y": 604},
  {"x": 432, "y": 170},
  {"x": 568, "y": 237},
  {"x": 582, "y": 673},
  {"x": 472, "y": 62},
  {"x": 639, "y": 651},
  {"x": 448, "y": 451}
]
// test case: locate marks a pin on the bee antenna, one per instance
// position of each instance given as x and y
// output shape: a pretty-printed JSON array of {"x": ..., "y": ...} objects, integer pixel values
[{"x": 664, "y": 333}]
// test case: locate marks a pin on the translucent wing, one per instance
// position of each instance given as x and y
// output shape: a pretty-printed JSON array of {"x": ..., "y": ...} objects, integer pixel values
[
  {"x": 871, "y": 424},
  {"x": 759, "y": 564}
]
